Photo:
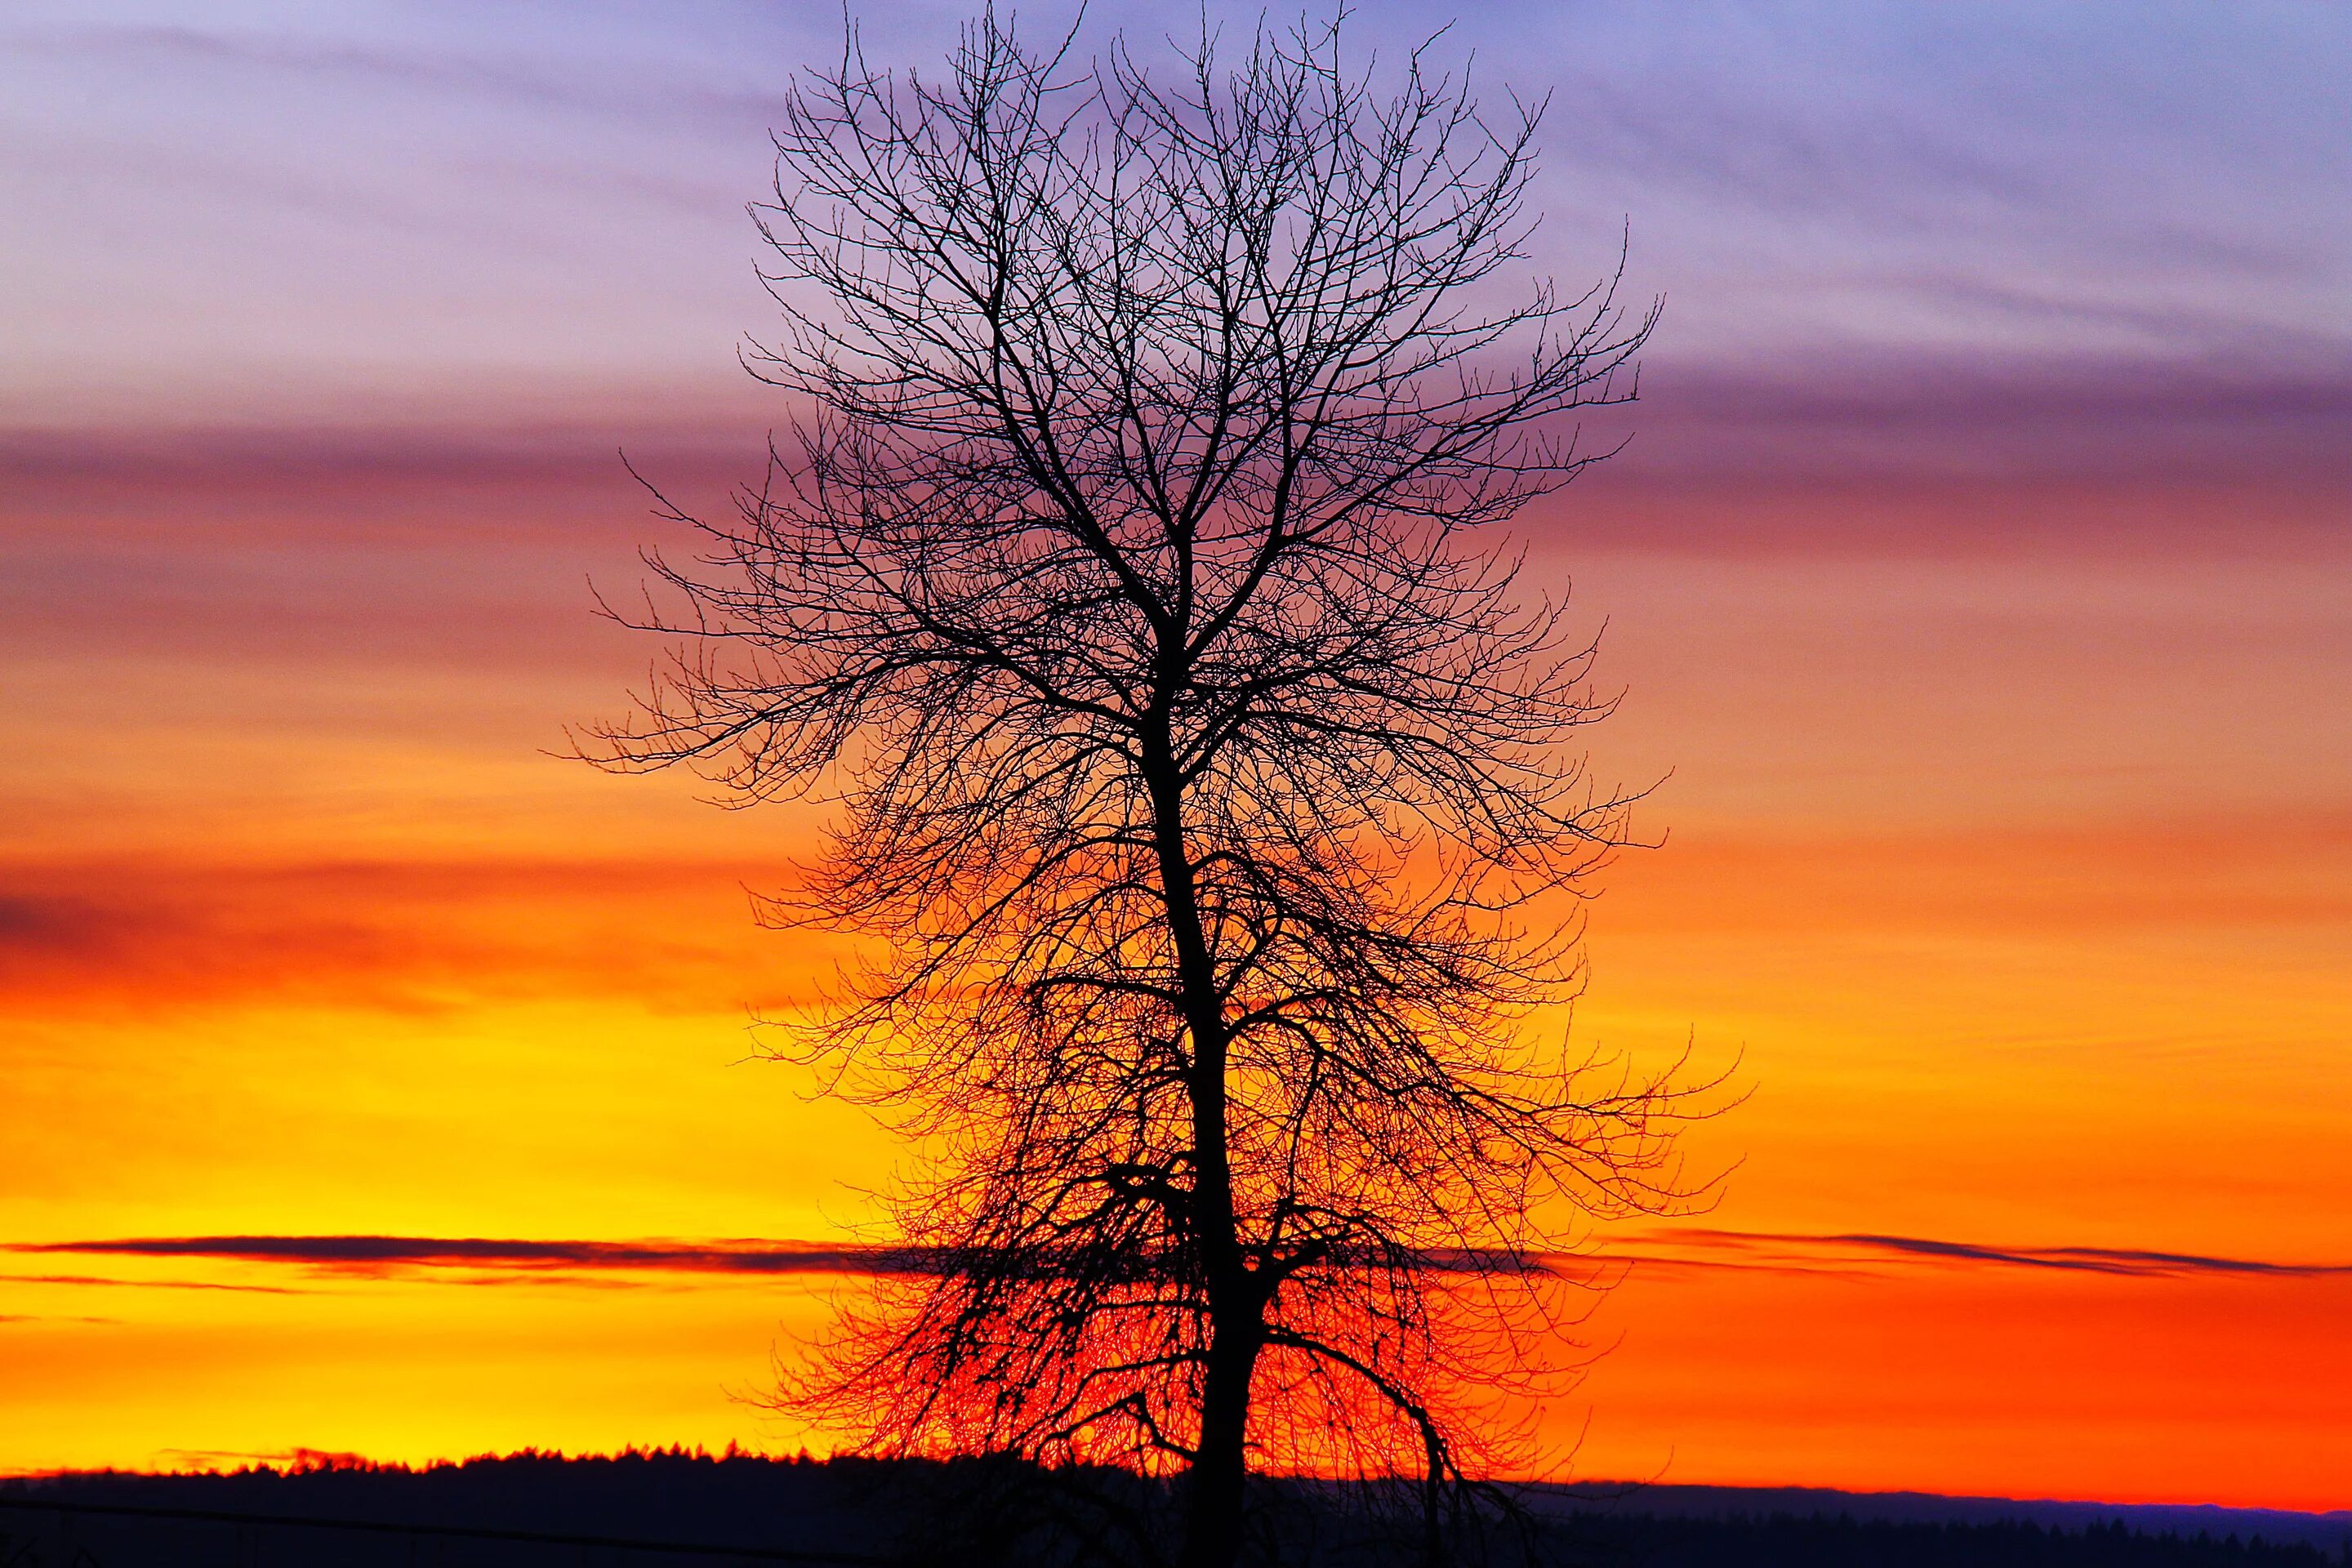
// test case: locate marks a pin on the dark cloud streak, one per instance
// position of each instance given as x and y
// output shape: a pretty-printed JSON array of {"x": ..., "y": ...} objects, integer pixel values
[
  {"x": 2133, "y": 1261},
  {"x": 372, "y": 1255},
  {"x": 487, "y": 1261},
  {"x": 2256, "y": 405}
]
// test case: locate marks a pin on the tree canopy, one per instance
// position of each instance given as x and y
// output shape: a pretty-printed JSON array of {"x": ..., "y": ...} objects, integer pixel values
[{"x": 1198, "y": 765}]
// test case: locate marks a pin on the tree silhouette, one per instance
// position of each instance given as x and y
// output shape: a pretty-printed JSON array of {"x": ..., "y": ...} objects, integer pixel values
[{"x": 1193, "y": 758}]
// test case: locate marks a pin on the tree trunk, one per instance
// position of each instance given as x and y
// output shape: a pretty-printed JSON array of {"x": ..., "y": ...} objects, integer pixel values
[
  {"x": 1213, "y": 1527},
  {"x": 1213, "y": 1506}
]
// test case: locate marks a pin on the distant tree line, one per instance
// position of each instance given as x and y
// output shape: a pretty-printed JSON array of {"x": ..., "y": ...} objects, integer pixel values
[{"x": 975, "y": 1513}]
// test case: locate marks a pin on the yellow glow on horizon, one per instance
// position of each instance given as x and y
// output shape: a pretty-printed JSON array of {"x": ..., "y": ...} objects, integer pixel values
[{"x": 2009, "y": 951}]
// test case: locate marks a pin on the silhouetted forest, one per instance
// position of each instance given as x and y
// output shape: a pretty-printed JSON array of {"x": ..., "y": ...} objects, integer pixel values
[{"x": 640, "y": 1511}]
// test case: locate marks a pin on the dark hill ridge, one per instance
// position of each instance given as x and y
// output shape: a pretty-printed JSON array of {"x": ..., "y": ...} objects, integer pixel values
[{"x": 643, "y": 1509}]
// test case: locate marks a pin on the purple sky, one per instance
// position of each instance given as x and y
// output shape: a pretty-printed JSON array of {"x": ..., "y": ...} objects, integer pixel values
[{"x": 2094, "y": 228}]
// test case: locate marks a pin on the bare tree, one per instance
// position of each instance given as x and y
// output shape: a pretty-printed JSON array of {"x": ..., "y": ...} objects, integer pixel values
[{"x": 1197, "y": 765}]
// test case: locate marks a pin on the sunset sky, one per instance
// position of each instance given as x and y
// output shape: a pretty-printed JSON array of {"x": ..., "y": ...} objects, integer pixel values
[{"x": 1979, "y": 578}]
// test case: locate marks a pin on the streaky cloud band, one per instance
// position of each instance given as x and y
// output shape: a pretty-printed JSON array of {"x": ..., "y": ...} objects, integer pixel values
[
  {"x": 377, "y": 1254},
  {"x": 372, "y": 1254},
  {"x": 2087, "y": 1260}
]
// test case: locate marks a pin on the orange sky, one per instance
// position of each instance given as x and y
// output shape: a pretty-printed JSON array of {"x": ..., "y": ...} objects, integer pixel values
[
  {"x": 2007, "y": 775},
  {"x": 2015, "y": 877}
]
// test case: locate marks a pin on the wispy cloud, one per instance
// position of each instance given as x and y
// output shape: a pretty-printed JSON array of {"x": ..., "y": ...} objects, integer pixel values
[
  {"x": 145, "y": 1284},
  {"x": 1782, "y": 1248},
  {"x": 599, "y": 83},
  {"x": 2253, "y": 404},
  {"x": 396, "y": 937},
  {"x": 2252, "y": 407},
  {"x": 487, "y": 1261}
]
